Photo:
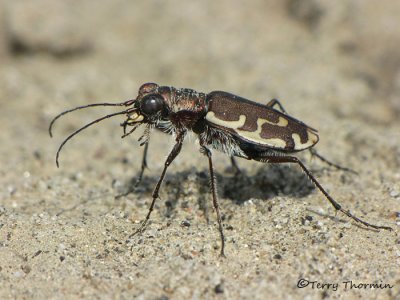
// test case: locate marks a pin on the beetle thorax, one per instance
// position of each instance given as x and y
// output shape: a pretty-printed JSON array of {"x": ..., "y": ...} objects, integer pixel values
[{"x": 187, "y": 99}]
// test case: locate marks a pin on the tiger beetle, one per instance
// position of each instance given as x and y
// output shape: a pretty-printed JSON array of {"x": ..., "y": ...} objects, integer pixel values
[{"x": 222, "y": 121}]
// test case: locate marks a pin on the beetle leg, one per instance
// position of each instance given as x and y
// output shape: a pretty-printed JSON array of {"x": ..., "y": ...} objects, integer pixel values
[
  {"x": 292, "y": 159},
  {"x": 213, "y": 185},
  {"x": 235, "y": 167},
  {"x": 172, "y": 155},
  {"x": 329, "y": 163},
  {"x": 313, "y": 152},
  {"x": 274, "y": 102},
  {"x": 135, "y": 181}
]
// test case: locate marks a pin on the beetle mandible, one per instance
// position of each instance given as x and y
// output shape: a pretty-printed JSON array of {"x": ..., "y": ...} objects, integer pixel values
[{"x": 222, "y": 121}]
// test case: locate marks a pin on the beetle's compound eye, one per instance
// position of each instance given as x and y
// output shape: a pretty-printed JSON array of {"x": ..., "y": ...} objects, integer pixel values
[{"x": 151, "y": 104}]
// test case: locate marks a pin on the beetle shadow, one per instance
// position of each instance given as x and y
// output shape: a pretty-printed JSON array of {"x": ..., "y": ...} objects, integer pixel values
[
  {"x": 181, "y": 188},
  {"x": 178, "y": 189},
  {"x": 267, "y": 182}
]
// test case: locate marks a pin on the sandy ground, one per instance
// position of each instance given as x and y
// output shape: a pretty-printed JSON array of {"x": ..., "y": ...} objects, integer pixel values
[{"x": 334, "y": 65}]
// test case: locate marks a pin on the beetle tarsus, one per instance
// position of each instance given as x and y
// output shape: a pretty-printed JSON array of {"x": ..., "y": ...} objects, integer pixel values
[{"x": 347, "y": 213}]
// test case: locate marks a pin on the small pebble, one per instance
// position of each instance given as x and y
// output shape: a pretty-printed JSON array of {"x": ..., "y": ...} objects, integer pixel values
[
  {"x": 185, "y": 223},
  {"x": 219, "y": 288}
]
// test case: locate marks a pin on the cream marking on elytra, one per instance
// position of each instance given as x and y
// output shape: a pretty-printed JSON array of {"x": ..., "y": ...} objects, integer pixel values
[
  {"x": 282, "y": 122},
  {"x": 311, "y": 140},
  {"x": 242, "y": 119},
  {"x": 253, "y": 136},
  {"x": 210, "y": 116}
]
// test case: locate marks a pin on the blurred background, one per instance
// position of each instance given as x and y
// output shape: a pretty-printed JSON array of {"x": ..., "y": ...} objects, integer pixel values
[
  {"x": 339, "y": 59},
  {"x": 333, "y": 64}
]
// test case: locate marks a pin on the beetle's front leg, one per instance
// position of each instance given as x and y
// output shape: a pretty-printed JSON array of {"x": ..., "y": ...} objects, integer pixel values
[
  {"x": 135, "y": 181},
  {"x": 172, "y": 155},
  {"x": 213, "y": 185}
]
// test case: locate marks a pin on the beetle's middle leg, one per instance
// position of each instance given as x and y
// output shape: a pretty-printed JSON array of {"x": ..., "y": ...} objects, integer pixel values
[
  {"x": 292, "y": 159},
  {"x": 135, "y": 181},
  {"x": 213, "y": 185}
]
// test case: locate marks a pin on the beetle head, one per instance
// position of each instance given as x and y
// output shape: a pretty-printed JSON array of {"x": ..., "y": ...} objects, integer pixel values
[{"x": 149, "y": 106}]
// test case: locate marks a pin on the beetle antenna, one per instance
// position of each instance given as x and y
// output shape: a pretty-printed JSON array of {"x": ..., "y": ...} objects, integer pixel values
[
  {"x": 126, "y": 103},
  {"x": 83, "y": 128}
]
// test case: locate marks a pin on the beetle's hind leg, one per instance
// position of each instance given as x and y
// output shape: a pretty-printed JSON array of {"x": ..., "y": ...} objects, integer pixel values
[
  {"x": 274, "y": 102},
  {"x": 313, "y": 153},
  {"x": 135, "y": 181},
  {"x": 277, "y": 159}
]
